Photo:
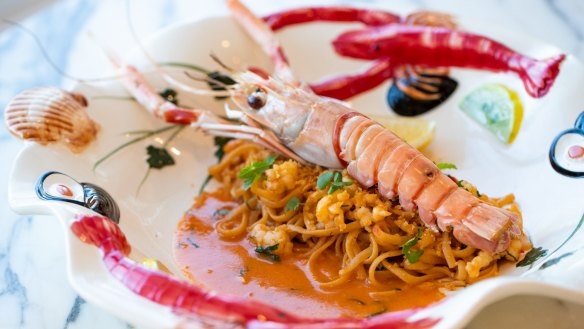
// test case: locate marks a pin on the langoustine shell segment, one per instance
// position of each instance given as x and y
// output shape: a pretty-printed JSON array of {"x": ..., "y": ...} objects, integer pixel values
[{"x": 51, "y": 115}]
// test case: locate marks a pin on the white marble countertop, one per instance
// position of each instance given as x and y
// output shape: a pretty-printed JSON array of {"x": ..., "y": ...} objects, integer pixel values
[{"x": 34, "y": 291}]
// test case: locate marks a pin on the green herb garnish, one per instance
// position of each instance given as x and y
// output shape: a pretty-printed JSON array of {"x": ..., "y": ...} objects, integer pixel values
[
  {"x": 221, "y": 213},
  {"x": 145, "y": 134},
  {"x": 218, "y": 81},
  {"x": 254, "y": 171},
  {"x": 268, "y": 252},
  {"x": 445, "y": 165},
  {"x": 158, "y": 157},
  {"x": 169, "y": 95},
  {"x": 412, "y": 255},
  {"x": 532, "y": 256},
  {"x": 292, "y": 204},
  {"x": 324, "y": 179},
  {"x": 333, "y": 179}
]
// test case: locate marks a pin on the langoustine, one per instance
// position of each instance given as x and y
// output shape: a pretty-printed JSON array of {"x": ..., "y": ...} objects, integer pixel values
[
  {"x": 372, "y": 154},
  {"x": 286, "y": 117}
]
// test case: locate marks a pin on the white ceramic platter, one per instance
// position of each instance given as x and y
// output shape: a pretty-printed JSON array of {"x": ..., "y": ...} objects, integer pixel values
[{"x": 551, "y": 203}]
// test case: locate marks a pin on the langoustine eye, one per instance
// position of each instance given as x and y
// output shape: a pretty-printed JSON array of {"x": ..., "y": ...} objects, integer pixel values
[{"x": 257, "y": 99}]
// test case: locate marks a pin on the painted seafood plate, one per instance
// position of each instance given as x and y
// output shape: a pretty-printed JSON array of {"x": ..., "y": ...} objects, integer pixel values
[{"x": 147, "y": 186}]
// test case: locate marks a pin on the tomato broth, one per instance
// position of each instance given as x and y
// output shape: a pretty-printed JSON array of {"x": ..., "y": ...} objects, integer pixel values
[{"x": 234, "y": 267}]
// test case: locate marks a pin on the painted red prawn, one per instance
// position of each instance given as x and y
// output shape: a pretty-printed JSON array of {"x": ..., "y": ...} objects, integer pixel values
[{"x": 393, "y": 42}]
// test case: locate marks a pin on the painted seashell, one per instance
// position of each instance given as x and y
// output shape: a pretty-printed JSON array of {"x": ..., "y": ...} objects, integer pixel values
[
  {"x": 51, "y": 115},
  {"x": 56, "y": 186}
]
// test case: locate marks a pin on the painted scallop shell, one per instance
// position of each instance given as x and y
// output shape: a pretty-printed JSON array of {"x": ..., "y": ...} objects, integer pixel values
[{"x": 51, "y": 115}]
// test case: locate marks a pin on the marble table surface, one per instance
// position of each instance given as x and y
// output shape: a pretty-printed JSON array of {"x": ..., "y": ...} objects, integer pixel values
[{"x": 34, "y": 291}]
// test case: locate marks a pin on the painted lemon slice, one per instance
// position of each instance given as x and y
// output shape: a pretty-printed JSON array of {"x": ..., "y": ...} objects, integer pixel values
[{"x": 496, "y": 108}]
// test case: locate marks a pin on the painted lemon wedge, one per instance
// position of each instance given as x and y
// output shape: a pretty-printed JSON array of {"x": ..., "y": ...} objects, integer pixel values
[
  {"x": 497, "y": 108},
  {"x": 416, "y": 132}
]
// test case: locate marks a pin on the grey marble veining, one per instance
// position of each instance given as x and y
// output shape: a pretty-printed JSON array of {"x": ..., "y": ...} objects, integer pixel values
[{"x": 34, "y": 292}]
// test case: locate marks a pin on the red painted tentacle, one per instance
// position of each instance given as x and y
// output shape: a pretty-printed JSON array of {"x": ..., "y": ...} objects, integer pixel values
[
  {"x": 331, "y": 14},
  {"x": 344, "y": 87},
  {"x": 188, "y": 299},
  {"x": 159, "y": 287}
]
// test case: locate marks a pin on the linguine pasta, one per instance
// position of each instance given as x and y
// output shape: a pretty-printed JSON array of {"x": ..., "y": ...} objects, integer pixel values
[{"x": 374, "y": 239}]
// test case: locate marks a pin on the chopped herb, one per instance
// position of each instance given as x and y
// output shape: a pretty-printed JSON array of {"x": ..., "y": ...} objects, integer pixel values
[
  {"x": 332, "y": 178},
  {"x": 445, "y": 165},
  {"x": 145, "y": 134},
  {"x": 220, "y": 144},
  {"x": 243, "y": 271},
  {"x": 169, "y": 94},
  {"x": 412, "y": 255},
  {"x": 205, "y": 182},
  {"x": 459, "y": 183},
  {"x": 254, "y": 171},
  {"x": 158, "y": 157},
  {"x": 218, "y": 81},
  {"x": 324, "y": 179},
  {"x": 221, "y": 212},
  {"x": 268, "y": 252},
  {"x": 532, "y": 256},
  {"x": 192, "y": 243},
  {"x": 292, "y": 204}
]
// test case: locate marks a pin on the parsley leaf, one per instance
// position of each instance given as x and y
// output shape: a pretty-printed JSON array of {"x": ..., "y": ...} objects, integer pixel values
[
  {"x": 254, "y": 171},
  {"x": 445, "y": 165},
  {"x": 324, "y": 179},
  {"x": 332, "y": 178},
  {"x": 532, "y": 256},
  {"x": 158, "y": 157},
  {"x": 268, "y": 252},
  {"x": 412, "y": 255},
  {"x": 292, "y": 204},
  {"x": 223, "y": 79},
  {"x": 169, "y": 94}
]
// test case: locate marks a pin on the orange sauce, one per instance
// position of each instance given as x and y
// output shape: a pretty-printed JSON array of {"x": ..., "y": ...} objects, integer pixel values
[{"x": 233, "y": 267}]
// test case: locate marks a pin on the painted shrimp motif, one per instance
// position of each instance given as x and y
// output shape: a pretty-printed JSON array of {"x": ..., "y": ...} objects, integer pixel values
[{"x": 392, "y": 42}]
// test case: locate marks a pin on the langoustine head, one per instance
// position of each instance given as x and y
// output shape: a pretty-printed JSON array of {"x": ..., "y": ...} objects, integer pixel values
[{"x": 277, "y": 105}]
